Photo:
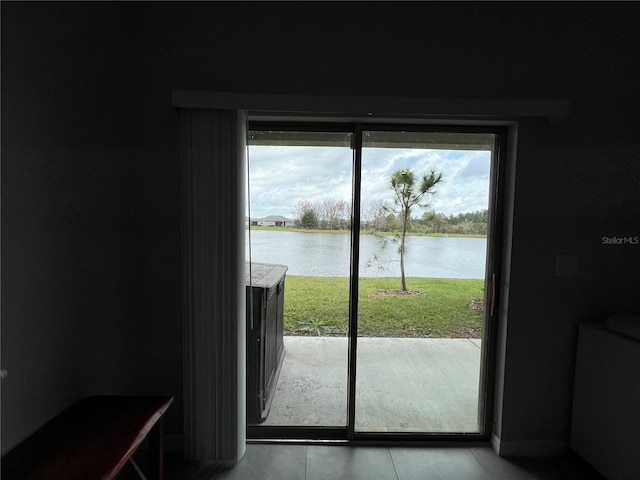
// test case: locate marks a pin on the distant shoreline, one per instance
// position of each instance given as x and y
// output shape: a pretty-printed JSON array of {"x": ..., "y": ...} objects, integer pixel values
[{"x": 366, "y": 232}]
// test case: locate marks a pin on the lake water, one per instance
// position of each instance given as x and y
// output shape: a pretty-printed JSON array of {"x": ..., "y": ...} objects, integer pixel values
[{"x": 327, "y": 255}]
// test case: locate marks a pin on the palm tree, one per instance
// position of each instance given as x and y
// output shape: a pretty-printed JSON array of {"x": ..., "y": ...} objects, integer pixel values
[{"x": 402, "y": 183}]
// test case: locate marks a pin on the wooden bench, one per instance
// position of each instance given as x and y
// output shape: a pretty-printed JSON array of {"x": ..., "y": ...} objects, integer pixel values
[{"x": 91, "y": 440}]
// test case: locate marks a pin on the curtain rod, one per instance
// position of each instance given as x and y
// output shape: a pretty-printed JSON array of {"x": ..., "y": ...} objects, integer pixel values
[{"x": 554, "y": 110}]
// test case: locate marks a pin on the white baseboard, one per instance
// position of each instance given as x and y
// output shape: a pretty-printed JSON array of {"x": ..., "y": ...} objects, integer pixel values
[
  {"x": 529, "y": 448},
  {"x": 495, "y": 443}
]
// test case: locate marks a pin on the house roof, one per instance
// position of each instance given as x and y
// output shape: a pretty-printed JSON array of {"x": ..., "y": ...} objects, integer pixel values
[{"x": 274, "y": 218}]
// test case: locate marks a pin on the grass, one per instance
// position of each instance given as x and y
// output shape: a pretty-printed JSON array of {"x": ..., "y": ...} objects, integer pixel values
[{"x": 320, "y": 306}]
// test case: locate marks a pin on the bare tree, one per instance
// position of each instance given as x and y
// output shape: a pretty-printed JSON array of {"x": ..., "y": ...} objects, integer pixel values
[
  {"x": 344, "y": 214},
  {"x": 375, "y": 215},
  {"x": 328, "y": 210}
]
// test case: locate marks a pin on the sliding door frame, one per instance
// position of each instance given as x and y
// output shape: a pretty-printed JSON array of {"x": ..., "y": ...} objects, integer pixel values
[
  {"x": 261, "y": 121},
  {"x": 354, "y": 280}
]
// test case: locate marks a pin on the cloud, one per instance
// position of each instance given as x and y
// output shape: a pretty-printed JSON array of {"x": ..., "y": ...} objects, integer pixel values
[{"x": 280, "y": 176}]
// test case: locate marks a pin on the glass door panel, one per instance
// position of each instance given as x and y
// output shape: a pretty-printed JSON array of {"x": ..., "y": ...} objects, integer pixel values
[
  {"x": 422, "y": 269},
  {"x": 298, "y": 223}
]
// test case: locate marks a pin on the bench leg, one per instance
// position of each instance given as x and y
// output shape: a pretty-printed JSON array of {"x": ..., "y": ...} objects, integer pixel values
[
  {"x": 137, "y": 469},
  {"x": 156, "y": 454}
]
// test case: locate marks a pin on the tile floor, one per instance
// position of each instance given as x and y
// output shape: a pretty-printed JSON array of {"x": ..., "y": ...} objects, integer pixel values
[{"x": 330, "y": 462}]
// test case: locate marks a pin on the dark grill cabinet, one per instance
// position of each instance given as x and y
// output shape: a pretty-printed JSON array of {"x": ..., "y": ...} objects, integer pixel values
[{"x": 265, "y": 343}]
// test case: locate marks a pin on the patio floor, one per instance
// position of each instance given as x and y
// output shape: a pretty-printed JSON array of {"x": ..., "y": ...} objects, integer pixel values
[{"x": 403, "y": 384}]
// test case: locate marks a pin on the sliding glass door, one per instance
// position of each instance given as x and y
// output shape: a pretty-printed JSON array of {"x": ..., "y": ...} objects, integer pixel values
[
  {"x": 385, "y": 235},
  {"x": 423, "y": 243},
  {"x": 298, "y": 224}
]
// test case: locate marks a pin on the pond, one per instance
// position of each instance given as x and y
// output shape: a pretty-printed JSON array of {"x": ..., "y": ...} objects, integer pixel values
[{"x": 327, "y": 255}]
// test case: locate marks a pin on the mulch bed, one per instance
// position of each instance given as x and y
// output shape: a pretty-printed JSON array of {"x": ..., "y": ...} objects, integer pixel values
[
  {"x": 413, "y": 293},
  {"x": 477, "y": 304}
]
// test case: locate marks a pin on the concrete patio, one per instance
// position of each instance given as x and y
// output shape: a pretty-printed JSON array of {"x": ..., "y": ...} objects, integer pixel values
[{"x": 403, "y": 384}]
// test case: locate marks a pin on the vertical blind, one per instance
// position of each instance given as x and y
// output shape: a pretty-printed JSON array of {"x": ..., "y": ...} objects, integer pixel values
[{"x": 213, "y": 150}]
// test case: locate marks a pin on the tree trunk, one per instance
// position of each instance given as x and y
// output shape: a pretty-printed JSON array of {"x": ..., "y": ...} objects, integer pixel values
[{"x": 404, "y": 233}]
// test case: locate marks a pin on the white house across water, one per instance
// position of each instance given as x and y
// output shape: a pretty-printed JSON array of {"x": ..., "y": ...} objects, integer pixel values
[{"x": 272, "y": 221}]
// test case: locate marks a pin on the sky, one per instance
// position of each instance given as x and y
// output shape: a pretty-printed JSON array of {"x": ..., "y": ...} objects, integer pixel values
[{"x": 280, "y": 176}]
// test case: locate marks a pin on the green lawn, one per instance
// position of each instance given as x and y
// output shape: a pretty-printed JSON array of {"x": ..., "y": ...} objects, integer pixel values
[{"x": 320, "y": 306}]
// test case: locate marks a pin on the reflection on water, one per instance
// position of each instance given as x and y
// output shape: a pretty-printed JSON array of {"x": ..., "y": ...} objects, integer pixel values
[{"x": 327, "y": 255}]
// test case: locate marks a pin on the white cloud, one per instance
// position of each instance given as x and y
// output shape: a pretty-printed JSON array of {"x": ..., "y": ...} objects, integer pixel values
[{"x": 281, "y": 176}]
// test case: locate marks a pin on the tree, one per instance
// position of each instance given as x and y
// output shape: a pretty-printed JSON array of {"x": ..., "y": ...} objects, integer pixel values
[
  {"x": 406, "y": 197},
  {"x": 302, "y": 206},
  {"x": 309, "y": 219},
  {"x": 305, "y": 214},
  {"x": 329, "y": 212},
  {"x": 435, "y": 222},
  {"x": 344, "y": 214},
  {"x": 375, "y": 215}
]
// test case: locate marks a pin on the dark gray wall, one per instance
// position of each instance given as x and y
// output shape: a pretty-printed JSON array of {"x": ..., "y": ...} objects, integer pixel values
[{"x": 90, "y": 199}]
